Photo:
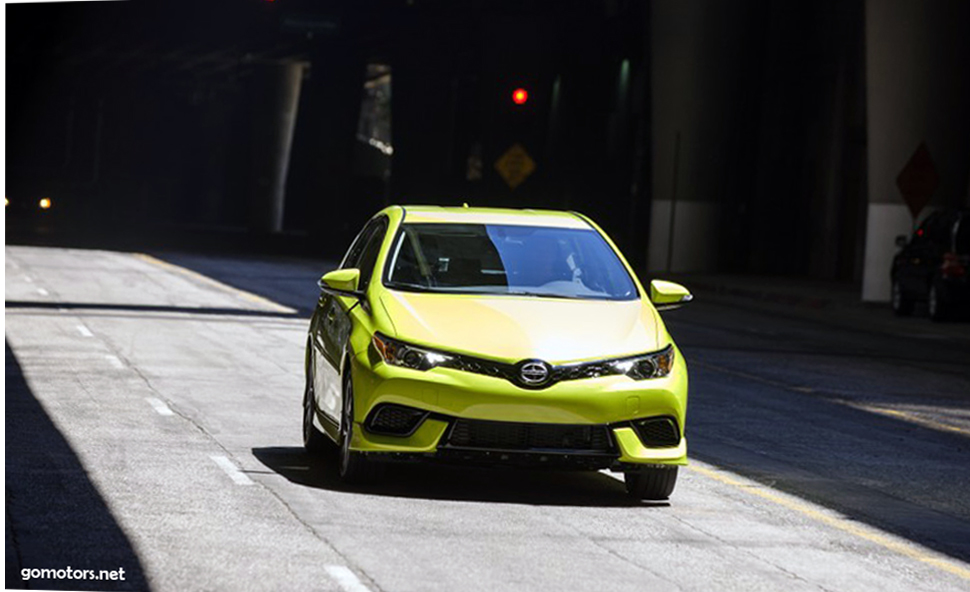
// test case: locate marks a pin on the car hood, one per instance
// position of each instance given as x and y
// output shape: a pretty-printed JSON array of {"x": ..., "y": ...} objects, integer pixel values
[{"x": 514, "y": 328}]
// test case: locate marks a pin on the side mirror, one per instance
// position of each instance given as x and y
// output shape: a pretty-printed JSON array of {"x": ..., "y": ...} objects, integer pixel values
[
  {"x": 901, "y": 241},
  {"x": 668, "y": 295},
  {"x": 341, "y": 282}
]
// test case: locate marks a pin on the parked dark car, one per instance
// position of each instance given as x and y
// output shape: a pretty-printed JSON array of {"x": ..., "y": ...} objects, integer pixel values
[{"x": 932, "y": 266}]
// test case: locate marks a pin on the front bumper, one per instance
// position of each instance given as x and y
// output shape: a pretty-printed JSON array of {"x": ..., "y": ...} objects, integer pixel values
[{"x": 447, "y": 395}]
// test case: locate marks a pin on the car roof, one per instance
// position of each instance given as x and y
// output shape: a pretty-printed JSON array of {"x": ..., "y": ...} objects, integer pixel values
[{"x": 469, "y": 215}]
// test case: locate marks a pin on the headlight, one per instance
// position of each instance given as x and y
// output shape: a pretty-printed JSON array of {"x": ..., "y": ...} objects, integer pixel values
[
  {"x": 397, "y": 353},
  {"x": 654, "y": 365}
]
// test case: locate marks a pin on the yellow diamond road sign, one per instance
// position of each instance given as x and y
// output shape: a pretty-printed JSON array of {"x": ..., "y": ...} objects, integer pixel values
[{"x": 515, "y": 165}]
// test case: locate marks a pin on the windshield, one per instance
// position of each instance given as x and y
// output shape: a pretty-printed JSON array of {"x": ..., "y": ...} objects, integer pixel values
[{"x": 505, "y": 259}]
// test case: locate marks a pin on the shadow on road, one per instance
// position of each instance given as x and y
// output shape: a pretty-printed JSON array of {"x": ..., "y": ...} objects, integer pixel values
[
  {"x": 58, "y": 518},
  {"x": 445, "y": 482},
  {"x": 288, "y": 281},
  {"x": 893, "y": 474},
  {"x": 156, "y": 308}
]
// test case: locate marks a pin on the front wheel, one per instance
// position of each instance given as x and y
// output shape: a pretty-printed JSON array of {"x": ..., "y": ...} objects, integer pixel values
[
  {"x": 354, "y": 466},
  {"x": 651, "y": 483}
]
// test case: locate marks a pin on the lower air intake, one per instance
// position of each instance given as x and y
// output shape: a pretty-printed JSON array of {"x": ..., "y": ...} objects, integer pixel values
[
  {"x": 395, "y": 420},
  {"x": 657, "y": 432},
  {"x": 496, "y": 435}
]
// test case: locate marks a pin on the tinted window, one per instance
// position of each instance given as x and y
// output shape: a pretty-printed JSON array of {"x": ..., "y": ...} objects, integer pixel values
[
  {"x": 936, "y": 232},
  {"x": 504, "y": 259}
]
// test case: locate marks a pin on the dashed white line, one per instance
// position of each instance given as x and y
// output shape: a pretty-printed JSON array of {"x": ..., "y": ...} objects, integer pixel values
[
  {"x": 232, "y": 470},
  {"x": 114, "y": 361},
  {"x": 346, "y": 579},
  {"x": 43, "y": 292},
  {"x": 28, "y": 279},
  {"x": 84, "y": 331},
  {"x": 159, "y": 406}
]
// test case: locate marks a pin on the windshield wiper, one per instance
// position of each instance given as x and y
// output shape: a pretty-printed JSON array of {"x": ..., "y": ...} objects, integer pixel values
[
  {"x": 540, "y": 295},
  {"x": 414, "y": 287}
]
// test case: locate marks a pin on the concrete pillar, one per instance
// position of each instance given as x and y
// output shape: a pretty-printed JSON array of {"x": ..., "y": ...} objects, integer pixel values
[
  {"x": 323, "y": 161},
  {"x": 918, "y": 90},
  {"x": 697, "y": 71},
  {"x": 274, "y": 116}
]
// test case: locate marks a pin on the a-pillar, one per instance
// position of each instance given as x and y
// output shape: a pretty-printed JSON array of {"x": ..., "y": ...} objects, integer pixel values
[
  {"x": 277, "y": 94},
  {"x": 917, "y": 91}
]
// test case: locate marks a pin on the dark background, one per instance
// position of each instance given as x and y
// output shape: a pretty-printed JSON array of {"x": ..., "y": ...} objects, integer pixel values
[{"x": 159, "y": 123}]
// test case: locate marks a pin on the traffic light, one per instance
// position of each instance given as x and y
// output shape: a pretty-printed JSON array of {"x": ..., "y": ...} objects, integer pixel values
[{"x": 520, "y": 96}]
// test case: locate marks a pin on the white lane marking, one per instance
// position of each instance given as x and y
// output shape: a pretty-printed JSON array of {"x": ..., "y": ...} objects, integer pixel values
[
  {"x": 346, "y": 578},
  {"x": 43, "y": 292},
  {"x": 84, "y": 331},
  {"x": 159, "y": 406},
  {"x": 114, "y": 361},
  {"x": 28, "y": 279},
  {"x": 232, "y": 470}
]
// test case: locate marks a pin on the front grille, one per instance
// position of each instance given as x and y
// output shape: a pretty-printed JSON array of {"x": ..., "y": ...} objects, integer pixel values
[
  {"x": 496, "y": 435},
  {"x": 480, "y": 366},
  {"x": 657, "y": 431},
  {"x": 584, "y": 370},
  {"x": 395, "y": 420}
]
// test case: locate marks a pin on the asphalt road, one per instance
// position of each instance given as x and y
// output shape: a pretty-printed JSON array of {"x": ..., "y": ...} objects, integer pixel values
[{"x": 153, "y": 425}]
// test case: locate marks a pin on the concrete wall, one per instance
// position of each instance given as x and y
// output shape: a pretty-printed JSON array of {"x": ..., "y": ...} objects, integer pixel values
[{"x": 697, "y": 60}]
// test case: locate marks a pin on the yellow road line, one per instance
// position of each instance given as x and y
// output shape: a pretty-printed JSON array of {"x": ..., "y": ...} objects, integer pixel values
[
  {"x": 908, "y": 550},
  {"x": 215, "y": 283}
]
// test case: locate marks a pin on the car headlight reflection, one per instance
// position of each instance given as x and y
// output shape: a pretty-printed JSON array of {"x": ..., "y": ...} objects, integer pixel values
[
  {"x": 396, "y": 353},
  {"x": 653, "y": 365}
]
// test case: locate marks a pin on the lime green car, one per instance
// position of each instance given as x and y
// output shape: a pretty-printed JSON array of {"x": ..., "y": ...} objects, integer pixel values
[{"x": 495, "y": 337}]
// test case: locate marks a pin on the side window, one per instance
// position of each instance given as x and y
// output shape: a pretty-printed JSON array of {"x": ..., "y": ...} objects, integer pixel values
[
  {"x": 352, "y": 258},
  {"x": 369, "y": 254}
]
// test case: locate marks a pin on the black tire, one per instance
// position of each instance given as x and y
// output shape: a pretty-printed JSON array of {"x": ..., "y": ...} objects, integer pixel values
[
  {"x": 902, "y": 306},
  {"x": 355, "y": 468},
  {"x": 314, "y": 441},
  {"x": 653, "y": 484},
  {"x": 937, "y": 306}
]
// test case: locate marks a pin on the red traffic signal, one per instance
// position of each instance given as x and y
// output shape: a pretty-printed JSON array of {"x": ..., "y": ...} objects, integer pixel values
[{"x": 520, "y": 96}]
